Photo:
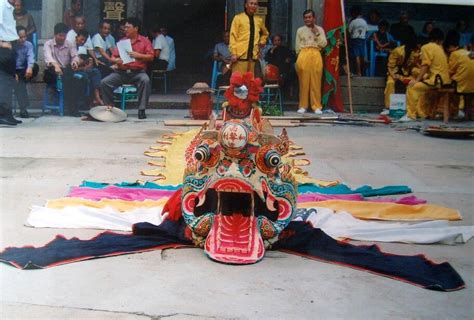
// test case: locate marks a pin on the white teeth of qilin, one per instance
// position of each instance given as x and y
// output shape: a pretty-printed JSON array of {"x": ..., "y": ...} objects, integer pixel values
[
  {"x": 270, "y": 204},
  {"x": 202, "y": 199}
]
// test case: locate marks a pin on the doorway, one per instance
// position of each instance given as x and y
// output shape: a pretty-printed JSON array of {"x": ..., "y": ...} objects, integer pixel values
[{"x": 195, "y": 25}]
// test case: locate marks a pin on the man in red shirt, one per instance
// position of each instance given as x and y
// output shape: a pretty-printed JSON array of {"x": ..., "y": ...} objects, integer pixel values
[{"x": 133, "y": 72}]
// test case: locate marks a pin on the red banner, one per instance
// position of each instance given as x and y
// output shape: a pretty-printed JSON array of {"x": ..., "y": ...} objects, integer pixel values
[{"x": 333, "y": 25}]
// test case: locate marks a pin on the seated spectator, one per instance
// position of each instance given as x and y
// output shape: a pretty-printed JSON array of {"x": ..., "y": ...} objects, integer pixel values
[
  {"x": 161, "y": 49},
  {"x": 281, "y": 57},
  {"x": 373, "y": 21},
  {"x": 69, "y": 15},
  {"x": 172, "y": 60},
  {"x": 402, "y": 67},
  {"x": 24, "y": 19},
  {"x": 434, "y": 71},
  {"x": 401, "y": 29},
  {"x": 383, "y": 40},
  {"x": 26, "y": 69},
  {"x": 61, "y": 60},
  {"x": 103, "y": 43},
  {"x": 80, "y": 24},
  {"x": 87, "y": 69},
  {"x": 424, "y": 35},
  {"x": 357, "y": 31},
  {"x": 461, "y": 70},
  {"x": 133, "y": 72},
  {"x": 222, "y": 54}
]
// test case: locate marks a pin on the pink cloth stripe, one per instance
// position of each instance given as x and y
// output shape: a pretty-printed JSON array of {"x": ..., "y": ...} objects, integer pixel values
[
  {"x": 311, "y": 197},
  {"x": 113, "y": 192}
]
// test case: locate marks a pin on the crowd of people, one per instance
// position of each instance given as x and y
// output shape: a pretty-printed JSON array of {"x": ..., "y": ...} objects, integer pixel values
[
  {"x": 91, "y": 66},
  {"x": 416, "y": 63},
  {"x": 87, "y": 68}
]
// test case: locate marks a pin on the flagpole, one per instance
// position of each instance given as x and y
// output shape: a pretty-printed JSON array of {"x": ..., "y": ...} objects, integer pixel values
[{"x": 349, "y": 87}]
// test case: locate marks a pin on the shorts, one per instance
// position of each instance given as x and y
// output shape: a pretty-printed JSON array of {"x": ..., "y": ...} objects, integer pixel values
[{"x": 357, "y": 47}]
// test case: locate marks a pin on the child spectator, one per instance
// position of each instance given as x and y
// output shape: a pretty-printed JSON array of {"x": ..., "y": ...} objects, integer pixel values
[
  {"x": 425, "y": 32},
  {"x": 357, "y": 32},
  {"x": 383, "y": 40},
  {"x": 26, "y": 69}
]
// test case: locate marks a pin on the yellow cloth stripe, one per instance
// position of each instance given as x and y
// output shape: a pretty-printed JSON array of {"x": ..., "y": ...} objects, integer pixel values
[
  {"x": 118, "y": 204},
  {"x": 387, "y": 211}
]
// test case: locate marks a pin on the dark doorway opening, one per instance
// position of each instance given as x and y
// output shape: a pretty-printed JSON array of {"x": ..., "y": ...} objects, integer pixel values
[{"x": 195, "y": 25}]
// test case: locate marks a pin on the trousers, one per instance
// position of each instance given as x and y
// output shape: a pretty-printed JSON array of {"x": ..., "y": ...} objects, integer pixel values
[
  {"x": 138, "y": 78},
  {"x": 309, "y": 67}
]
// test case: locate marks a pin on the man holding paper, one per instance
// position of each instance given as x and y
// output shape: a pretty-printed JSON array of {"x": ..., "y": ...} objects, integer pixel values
[{"x": 131, "y": 57}]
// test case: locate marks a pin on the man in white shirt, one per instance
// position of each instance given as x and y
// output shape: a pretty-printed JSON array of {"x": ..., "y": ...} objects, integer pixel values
[
  {"x": 104, "y": 43},
  {"x": 7, "y": 61},
  {"x": 172, "y": 60},
  {"x": 80, "y": 24},
  {"x": 161, "y": 49},
  {"x": 357, "y": 31}
]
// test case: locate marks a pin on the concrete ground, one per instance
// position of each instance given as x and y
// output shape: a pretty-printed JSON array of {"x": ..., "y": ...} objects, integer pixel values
[{"x": 43, "y": 157}]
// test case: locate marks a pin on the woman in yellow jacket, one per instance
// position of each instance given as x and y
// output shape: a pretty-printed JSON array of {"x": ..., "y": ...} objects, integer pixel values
[
  {"x": 403, "y": 65},
  {"x": 461, "y": 70},
  {"x": 310, "y": 39}
]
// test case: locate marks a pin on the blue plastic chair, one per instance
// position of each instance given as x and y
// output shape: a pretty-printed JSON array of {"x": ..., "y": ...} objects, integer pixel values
[
  {"x": 271, "y": 92},
  {"x": 219, "y": 98},
  {"x": 124, "y": 94},
  {"x": 216, "y": 72},
  {"x": 58, "y": 103}
]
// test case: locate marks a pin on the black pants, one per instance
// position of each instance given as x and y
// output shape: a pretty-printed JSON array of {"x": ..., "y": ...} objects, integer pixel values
[
  {"x": 7, "y": 80},
  {"x": 74, "y": 88},
  {"x": 159, "y": 64}
]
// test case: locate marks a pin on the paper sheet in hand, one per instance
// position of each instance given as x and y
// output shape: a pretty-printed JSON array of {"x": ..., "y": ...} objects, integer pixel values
[{"x": 123, "y": 47}]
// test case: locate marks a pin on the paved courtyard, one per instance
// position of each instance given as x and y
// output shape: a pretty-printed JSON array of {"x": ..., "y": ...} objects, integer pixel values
[{"x": 43, "y": 157}]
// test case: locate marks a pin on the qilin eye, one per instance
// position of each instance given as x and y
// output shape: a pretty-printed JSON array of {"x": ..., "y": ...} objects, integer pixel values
[
  {"x": 272, "y": 159},
  {"x": 202, "y": 153}
]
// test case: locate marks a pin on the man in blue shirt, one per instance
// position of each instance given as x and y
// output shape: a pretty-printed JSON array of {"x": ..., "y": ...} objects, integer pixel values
[{"x": 26, "y": 69}]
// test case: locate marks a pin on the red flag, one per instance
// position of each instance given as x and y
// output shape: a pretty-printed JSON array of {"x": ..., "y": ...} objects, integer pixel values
[{"x": 333, "y": 25}]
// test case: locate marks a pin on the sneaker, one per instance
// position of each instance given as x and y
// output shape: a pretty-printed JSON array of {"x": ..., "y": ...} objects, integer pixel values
[
  {"x": 405, "y": 118},
  {"x": 7, "y": 121},
  {"x": 318, "y": 112},
  {"x": 385, "y": 112},
  {"x": 141, "y": 114},
  {"x": 301, "y": 110}
]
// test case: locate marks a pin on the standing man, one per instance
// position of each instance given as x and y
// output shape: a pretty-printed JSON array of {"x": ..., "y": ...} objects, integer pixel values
[
  {"x": 69, "y": 15},
  {"x": 310, "y": 39},
  {"x": 248, "y": 35},
  {"x": 133, "y": 72},
  {"x": 161, "y": 50},
  {"x": 172, "y": 60},
  {"x": 8, "y": 34}
]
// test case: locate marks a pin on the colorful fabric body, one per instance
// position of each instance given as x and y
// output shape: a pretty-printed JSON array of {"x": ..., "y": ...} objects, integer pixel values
[
  {"x": 120, "y": 205},
  {"x": 114, "y": 192}
]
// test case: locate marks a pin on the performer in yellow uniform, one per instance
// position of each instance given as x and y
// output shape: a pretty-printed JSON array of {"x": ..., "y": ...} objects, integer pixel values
[
  {"x": 310, "y": 39},
  {"x": 434, "y": 70},
  {"x": 403, "y": 65},
  {"x": 461, "y": 70},
  {"x": 248, "y": 35}
]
